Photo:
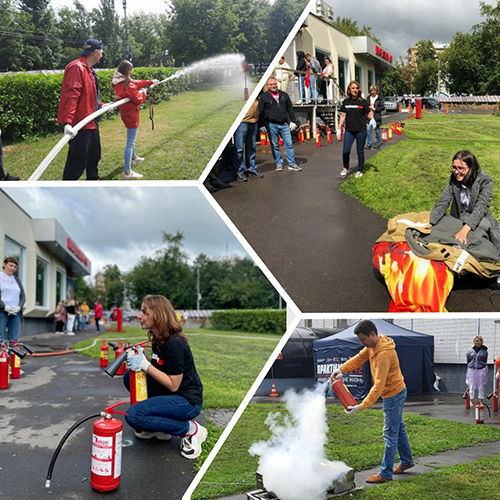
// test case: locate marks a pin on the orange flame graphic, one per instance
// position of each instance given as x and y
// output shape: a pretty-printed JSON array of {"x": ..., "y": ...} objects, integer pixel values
[{"x": 415, "y": 284}]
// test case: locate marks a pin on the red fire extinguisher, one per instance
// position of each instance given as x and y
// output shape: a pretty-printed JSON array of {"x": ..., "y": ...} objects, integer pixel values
[
  {"x": 479, "y": 413},
  {"x": 262, "y": 139},
  {"x": 300, "y": 135},
  {"x": 384, "y": 135},
  {"x": 342, "y": 131},
  {"x": 389, "y": 134},
  {"x": 466, "y": 396},
  {"x": 308, "y": 133},
  {"x": 267, "y": 139},
  {"x": 118, "y": 351},
  {"x": 15, "y": 363},
  {"x": 138, "y": 386},
  {"x": 329, "y": 134},
  {"x": 342, "y": 392},
  {"x": 104, "y": 354},
  {"x": 318, "y": 137},
  {"x": 105, "y": 470},
  {"x": 4, "y": 367},
  {"x": 280, "y": 141}
]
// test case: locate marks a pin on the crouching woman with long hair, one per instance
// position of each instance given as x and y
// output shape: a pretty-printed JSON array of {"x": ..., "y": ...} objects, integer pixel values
[{"x": 175, "y": 391}]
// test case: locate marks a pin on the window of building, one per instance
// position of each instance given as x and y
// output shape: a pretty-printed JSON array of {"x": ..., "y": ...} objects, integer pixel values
[
  {"x": 60, "y": 286},
  {"x": 12, "y": 248},
  {"x": 343, "y": 76},
  {"x": 371, "y": 78},
  {"x": 358, "y": 71},
  {"x": 42, "y": 283}
]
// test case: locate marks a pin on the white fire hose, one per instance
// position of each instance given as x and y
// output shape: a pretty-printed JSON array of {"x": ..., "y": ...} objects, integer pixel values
[{"x": 67, "y": 137}]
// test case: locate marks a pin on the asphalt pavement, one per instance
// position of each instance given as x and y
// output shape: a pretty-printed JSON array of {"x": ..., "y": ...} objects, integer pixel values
[
  {"x": 317, "y": 241},
  {"x": 53, "y": 394}
]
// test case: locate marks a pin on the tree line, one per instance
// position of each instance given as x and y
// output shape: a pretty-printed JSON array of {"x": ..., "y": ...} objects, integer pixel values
[
  {"x": 224, "y": 283},
  {"x": 34, "y": 36}
]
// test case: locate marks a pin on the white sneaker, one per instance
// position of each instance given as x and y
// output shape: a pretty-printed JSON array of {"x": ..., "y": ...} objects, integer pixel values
[
  {"x": 132, "y": 175},
  {"x": 343, "y": 173},
  {"x": 71, "y": 333},
  {"x": 294, "y": 167},
  {"x": 358, "y": 174},
  {"x": 191, "y": 445},
  {"x": 137, "y": 159},
  {"x": 279, "y": 167},
  {"x": 163, "y": 436}
]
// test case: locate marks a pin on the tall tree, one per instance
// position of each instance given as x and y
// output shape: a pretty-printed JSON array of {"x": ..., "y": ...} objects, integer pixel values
[
  {"x": 351, "y": 28},
  {"x": 107, "y": 28}
]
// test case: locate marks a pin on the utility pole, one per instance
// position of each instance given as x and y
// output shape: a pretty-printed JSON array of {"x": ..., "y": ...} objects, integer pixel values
[{"x": 128, "y": 50}]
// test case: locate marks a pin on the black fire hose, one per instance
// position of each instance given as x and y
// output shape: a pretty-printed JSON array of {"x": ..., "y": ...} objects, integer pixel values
[
  {"x": 489, "y": 411},
  {"x": 63, "y": 440}
]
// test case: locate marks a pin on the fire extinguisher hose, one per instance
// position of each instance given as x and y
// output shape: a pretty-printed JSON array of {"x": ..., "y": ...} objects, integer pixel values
[{"x": 60, "y": 445}]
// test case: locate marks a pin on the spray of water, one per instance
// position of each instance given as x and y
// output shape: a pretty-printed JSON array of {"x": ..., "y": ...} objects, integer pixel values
[
  {"x": 226, "y": 68},
  {"x": 292, "y": 462}
]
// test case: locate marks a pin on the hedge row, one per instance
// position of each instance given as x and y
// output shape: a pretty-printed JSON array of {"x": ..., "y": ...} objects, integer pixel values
[
  {"x": 254, "y": 320},
  {"x": 29, "y": 102}
]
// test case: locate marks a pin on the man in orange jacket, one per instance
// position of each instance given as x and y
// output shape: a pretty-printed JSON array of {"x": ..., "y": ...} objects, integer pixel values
[
  {"x": 79, "y": 99},
  {"x": 388, "y": 382}
]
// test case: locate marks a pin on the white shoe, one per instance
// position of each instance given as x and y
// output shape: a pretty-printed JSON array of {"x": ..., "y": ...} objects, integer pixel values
[
  {"x": 71, "y": 333},
  {"x": 163, "y": 436},
  {"x": 358, "y": 174},
  {"x": 191, "y": 445},
  {"x": 137, "y": 159},
  {"x": 132, "y": 175},
  {"x": 343, "y": 173}
]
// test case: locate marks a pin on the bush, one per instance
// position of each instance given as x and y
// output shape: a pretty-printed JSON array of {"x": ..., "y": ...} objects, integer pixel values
[
  {"x": 29, "y": 102},
  {"x": 254, "y": 320}
]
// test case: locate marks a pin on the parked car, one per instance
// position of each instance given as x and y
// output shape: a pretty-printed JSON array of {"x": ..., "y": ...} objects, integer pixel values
[
  {"x": 431, "y": 102},
  {"x": 391, "y": 103}
]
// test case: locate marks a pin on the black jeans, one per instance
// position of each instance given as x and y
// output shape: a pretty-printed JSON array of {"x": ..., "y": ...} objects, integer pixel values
[
  {"x": 83, "y": 155},
  {"x": 2, "y": 171}
]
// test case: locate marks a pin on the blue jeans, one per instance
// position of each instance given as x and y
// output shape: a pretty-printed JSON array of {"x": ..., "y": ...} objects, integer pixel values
[
  {"x": 378, "y": 134},
  {"x": 244, "y": 139},
  {"x": 302, "y": 90},
  {"x": 395, "y": 436},
  {"x": 83, "y": 322},
  {"x": 349, "y": 137},
  {"x": 170, "y": 414},
  {"x": 282, "y": 129},
  {"x": 13, "y": 323},
  {"x": 130, "y": 148},
  {"x": 313, "y": 89}
]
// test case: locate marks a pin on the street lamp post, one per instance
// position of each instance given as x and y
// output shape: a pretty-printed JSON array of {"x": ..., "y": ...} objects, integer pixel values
[{"x": 128, "y": 51}]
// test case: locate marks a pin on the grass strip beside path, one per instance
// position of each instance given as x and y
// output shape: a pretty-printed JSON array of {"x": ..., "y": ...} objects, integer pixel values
[
  {"x": 409, "y": 176},
  {"x": 357, "y": 441},
  {"x": 188, "y": 130}
]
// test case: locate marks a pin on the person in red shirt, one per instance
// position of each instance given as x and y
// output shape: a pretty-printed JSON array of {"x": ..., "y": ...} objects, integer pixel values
[
  {"x": 79, "y": 99},
  {"x": 97, "y": 314},
  {"x": 126, "y": 87}
]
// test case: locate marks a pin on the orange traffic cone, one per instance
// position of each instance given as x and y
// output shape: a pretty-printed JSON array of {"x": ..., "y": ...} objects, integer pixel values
[{"x": 273, "y": 391}]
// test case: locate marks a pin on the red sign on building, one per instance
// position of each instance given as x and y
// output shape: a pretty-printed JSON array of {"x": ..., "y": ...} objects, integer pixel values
[
  {"x": 383, "y": 54},
  {"x": 74, "y": 249}
]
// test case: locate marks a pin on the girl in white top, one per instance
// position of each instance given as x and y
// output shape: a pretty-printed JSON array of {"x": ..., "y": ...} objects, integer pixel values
[{"x": 12, "y": 299}]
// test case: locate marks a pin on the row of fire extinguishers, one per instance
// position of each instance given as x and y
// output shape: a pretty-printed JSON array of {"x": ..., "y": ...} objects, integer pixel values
[
  {"x": 304, "y": 134},
  {"x": 105, "y": 470},
  {"x": 10, "y": 361}
]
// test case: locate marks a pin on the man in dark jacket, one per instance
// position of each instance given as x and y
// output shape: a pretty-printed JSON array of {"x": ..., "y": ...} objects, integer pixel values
[
  {"x": 79, "y": 99},
  {"x": 280, "y": 119}
]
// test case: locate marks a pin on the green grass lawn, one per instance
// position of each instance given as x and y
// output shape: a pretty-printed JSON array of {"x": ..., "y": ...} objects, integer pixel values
[
  {"x": 188, "y": 130},
  {"x": 228, "y": 363},
  {"x": 410, "y": 175},
  {"x": 357, "y": 441}
]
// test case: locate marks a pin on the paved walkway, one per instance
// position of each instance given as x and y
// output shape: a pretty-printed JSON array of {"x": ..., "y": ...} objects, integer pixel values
[
  {"x": 56, "y": 392},
  {"x": 316, "y": 240}
]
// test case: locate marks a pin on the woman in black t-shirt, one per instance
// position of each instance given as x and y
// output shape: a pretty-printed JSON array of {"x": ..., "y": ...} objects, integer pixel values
[
  {"x": 354, "y": 111},
  {"x": 175, "y": 391}
]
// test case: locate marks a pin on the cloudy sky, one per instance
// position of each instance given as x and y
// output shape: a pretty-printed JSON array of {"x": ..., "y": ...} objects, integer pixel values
[
  {"x": 119, "y": 225},
  {"x": 401, "y": 23}
]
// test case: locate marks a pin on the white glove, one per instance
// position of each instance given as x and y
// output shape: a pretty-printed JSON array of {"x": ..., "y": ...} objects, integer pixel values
[
  {"x": 144, "y": 91},
  {"x": 339, "y": 134},
  {"x": 15, "y": 309},
  {"x": 351, "y": 410},
  {"x": 372, "y": 123},
  {"x": 137, "y": 362},
  {"x": 106, "y": 105},
  {"x": 68, "y": 130},
  {"x": 293, "y": 126},
  {"x": 8, "y": 309},
  {"x": 155, "y": 81},
  {"x": 497, "y": 376},
  {"x": 337, "y": 374}
]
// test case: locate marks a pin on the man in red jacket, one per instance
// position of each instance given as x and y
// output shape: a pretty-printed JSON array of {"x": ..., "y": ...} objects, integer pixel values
[{"x": 79, "y": 99}]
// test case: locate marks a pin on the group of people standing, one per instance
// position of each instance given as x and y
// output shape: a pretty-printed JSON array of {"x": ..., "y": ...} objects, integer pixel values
[
  {"x": 71, "y": 316},
  {"x": 80, "y": 98},
  {"x": 312, "y": 80}
]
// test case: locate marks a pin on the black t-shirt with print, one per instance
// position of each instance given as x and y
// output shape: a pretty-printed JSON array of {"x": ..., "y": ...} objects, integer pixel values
[
  {"x": 356, "y": 111},
  {"x": 175, "y": 358}
]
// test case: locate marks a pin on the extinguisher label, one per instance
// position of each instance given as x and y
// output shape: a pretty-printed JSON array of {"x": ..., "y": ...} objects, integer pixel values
[
  {"x": 17, "y": 362},
  {"x": 141, "y": 386},
  {"x": 101, "y": 468},
  {"x": 118, "y": 455},
  {"x": 102, "y": 447}
]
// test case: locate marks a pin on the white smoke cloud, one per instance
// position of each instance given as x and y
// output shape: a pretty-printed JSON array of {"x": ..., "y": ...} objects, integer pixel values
[{"x": 292, "y": 462}]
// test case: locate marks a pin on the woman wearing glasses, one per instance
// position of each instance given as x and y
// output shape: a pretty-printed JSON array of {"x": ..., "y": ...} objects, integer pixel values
[
  {"x": 469, "y": 191},
  {"x": 354, "y": 111}
]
